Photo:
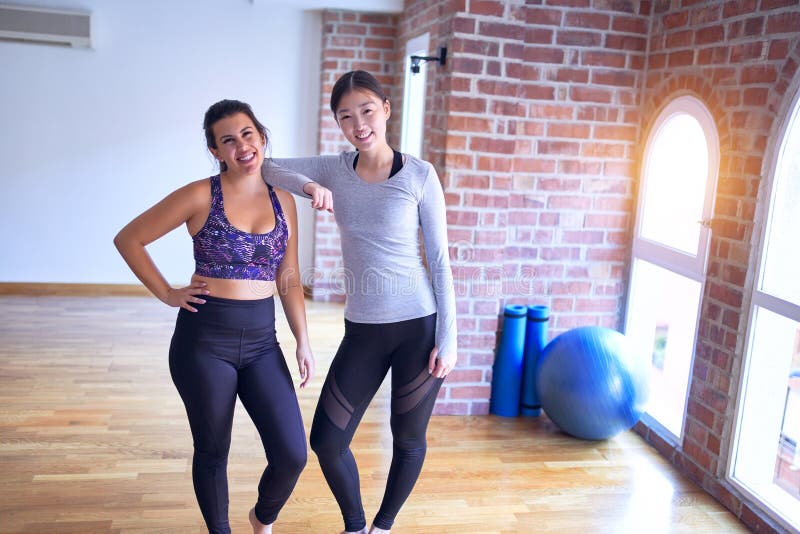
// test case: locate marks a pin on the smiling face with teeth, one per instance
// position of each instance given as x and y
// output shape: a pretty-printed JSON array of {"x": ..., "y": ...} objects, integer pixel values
[
  {"x": 239, "y": 144},
  {"x": 362, "y": 117}
]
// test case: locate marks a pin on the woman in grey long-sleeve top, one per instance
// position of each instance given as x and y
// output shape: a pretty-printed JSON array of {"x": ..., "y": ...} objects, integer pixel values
[{"x": 399, "y": 315}]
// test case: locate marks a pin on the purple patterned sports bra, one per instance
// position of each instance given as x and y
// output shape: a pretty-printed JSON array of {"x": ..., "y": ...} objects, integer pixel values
[{"x": 223, "y": 251}]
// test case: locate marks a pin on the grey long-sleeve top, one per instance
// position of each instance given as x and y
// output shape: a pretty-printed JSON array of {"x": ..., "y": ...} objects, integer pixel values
[{"x": 384, "y": 271}]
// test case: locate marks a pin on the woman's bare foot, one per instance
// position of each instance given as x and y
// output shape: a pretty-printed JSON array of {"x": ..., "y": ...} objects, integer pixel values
[{"x": 258, "y": 526}]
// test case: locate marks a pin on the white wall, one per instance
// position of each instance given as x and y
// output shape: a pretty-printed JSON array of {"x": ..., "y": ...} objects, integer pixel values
[{"x": 90, "y": 138}]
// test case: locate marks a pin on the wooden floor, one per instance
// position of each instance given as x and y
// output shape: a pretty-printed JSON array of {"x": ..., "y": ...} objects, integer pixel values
[{"x": 93, "y": 438}]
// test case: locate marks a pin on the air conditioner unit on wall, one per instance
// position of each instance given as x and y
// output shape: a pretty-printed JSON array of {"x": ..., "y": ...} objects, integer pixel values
[{"x": 45, "y": 26}]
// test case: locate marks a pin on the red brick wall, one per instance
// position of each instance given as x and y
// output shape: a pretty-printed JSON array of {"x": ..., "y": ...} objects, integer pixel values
[
  {"x": 350, "y": 41},
  {"x": 535, "y": 128},
  {"x": 532, "y": 128},
  {"x": 738, "y": 57}
]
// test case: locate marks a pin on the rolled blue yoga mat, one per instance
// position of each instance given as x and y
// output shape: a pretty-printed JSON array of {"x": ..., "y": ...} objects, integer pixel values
[
  {"x": 535, "y": 341},
  {"x": 507, "y": 368}
]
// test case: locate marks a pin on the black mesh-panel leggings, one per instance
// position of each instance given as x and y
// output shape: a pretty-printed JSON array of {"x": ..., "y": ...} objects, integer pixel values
[
  {"x": 365, "y": 355},
  {"x": 228, "y": 348}
]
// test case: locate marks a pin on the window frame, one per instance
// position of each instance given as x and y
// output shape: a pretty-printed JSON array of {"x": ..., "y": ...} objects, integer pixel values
[
  {"x": 771, "y": 166},
  {"x": 692, "y": 266}
]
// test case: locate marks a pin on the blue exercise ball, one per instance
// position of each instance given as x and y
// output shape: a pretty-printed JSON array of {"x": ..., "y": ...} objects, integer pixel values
[{"x": 592, "y": 383}]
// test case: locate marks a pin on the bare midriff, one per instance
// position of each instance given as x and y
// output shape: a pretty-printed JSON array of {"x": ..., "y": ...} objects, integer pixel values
[{"x": 237, "y": 289}]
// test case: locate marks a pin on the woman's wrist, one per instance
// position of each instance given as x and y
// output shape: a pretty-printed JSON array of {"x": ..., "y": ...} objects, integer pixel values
[{"x": 163, "y": 294}]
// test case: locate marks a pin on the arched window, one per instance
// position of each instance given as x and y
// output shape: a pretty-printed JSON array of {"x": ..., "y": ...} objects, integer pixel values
[
  {"x": 669, "y": 253},
  {"x": 766, "y": 457}
]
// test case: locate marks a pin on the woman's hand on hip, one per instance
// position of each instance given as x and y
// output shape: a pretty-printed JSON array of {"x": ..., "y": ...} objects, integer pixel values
[
  {"x": 185, "y": 296},
  {"x": 440, "y": 366}
]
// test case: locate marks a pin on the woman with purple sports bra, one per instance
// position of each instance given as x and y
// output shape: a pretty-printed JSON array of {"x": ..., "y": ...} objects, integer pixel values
[{"x": 224, "y": 345}]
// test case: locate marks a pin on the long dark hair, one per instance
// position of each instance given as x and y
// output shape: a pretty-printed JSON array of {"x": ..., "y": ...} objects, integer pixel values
[
  {"x": 226, "y": 108},
  {"x": 355, "y": 79}
]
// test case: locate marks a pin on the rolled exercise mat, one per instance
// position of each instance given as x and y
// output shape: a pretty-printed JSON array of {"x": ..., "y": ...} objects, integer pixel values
[
  {"x": 507, "y": 368},
  {"x": 535, "y": 340}
]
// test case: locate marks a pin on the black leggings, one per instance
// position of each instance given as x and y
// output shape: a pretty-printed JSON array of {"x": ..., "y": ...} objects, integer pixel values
[
  {"x": 228, "y": 348},
  {"x": 365, "y": 355}
]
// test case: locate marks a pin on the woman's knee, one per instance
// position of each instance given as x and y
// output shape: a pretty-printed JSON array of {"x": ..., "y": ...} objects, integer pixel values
[
  {"x": 409, "y": 442},
  {"x": 214, "y": 457},
  {"x": 318, "y": 441},
  {"x": 297, "y": 459},
  {"x": 408, "y": 435},
  {"x": 290, "y": 468},
  {"x": 324, "y": 442},
  {"x": 288, "y": 465}
]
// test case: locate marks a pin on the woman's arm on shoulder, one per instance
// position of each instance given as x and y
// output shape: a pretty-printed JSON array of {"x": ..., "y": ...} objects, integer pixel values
[
  {"x": 292, "y": 174},
  {"x": 189, "y": 204},
  {"x": 290, "y": 290},
  {"x": 433, "y": 221}
]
